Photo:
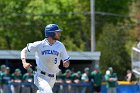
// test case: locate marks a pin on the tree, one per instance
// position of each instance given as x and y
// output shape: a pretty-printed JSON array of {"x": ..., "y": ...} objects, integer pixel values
[
  {"x": 24, "y": 21},
  {"x": 111, "y": 11},
  {"x": 113, "y": 51}
]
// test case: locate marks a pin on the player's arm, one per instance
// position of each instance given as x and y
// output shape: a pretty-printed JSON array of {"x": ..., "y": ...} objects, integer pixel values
[
  {"x": 65, "y": 57},
  {"x": 23, "y": 58},
  {"x": 66, "y": 64}
]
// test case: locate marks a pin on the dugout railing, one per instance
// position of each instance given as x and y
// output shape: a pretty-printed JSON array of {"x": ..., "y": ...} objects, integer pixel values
[
  {"x": 12, "y": 85},
  {"x": 72, "y": 88},
  {"x": 58, "y": 88}
]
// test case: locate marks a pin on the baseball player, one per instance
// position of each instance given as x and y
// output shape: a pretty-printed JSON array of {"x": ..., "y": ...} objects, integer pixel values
[{"x": 48, "y": 54}]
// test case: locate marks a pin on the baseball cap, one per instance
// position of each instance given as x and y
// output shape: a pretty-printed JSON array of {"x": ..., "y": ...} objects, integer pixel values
[
  {"x": 86, "y": 69},
  {"x": 110, "y": 68},
  {"x": 107, "y": 72},
  {"x": 7, "y": 68},
  {"x": 3, "y": 66},
  {"x": 17, "y": 70},
  {"x": 29, "y": 70},
  {"x": 68, "y": 71},
  {"x": 79, "y": 72}
]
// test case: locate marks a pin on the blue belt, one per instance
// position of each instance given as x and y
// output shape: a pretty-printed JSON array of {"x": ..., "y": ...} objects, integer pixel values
[{"x": 44, "y": 73}]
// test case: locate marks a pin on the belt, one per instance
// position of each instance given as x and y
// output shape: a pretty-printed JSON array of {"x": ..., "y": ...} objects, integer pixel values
[{"x": 44, "y": 73}]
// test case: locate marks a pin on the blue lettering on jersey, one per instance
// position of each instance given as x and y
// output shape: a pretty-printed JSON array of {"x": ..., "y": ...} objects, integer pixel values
[{"x": 53, "y": 52}]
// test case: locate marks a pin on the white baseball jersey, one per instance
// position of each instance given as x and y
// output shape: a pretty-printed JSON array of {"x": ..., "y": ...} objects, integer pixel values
[
  {"x": 138, "y": 45},
  {"x": 48, "y": 56}
]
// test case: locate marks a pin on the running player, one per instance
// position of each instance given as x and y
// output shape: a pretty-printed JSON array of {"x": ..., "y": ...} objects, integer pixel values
[{"x": 48, "y": 54}]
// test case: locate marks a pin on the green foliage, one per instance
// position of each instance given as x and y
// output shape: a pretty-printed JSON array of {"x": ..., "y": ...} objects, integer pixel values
[
  {"x": 113, "y": 6},
  {"x": 24, "y": 22},
  {"x": 114, "y": 11},
  {"x": 113, "y": 51}
]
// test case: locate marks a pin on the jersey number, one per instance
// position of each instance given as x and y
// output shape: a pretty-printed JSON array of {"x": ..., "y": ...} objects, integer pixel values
[{"x": 55, "y": 60}]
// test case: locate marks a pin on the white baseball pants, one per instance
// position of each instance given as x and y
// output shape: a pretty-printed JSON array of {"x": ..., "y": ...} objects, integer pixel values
[{"x": 44, "y": 82}]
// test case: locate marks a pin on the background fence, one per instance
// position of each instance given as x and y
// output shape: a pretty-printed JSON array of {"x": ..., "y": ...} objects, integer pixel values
[{"x": 72, "y": 88}]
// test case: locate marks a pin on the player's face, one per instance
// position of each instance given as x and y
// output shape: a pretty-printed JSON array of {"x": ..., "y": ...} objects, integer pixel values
[{"x": 57, "y": 35}]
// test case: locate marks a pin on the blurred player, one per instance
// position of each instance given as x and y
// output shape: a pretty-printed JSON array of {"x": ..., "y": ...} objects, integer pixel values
[
  {"x": 48, "y": 54},
  {"x": 6, "y": 77},
  {"x": 28, "y": 78},
  {"x": 111, "y": 81},
  {"x": 2, "y": 71},
  {"x": 16, "y": 78},
  {"x": 96, "y": 77}
]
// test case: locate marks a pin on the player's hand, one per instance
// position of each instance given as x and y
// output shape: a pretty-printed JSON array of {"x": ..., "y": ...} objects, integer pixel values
[
  {"x": 26, "y": 65},
  {"x": 76, "y": 81},
  {"x": 111, "y": 79},
  {"x": 66, "y": 64}
]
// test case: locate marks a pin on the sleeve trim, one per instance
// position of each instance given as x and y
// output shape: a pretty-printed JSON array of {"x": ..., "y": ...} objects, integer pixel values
[
  {"x": 67, "y": 59},
  {"x": 28, "y": 48}
]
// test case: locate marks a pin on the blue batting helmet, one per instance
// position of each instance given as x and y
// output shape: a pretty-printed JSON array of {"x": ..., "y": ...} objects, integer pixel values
[{"x": 50, "y": 29}]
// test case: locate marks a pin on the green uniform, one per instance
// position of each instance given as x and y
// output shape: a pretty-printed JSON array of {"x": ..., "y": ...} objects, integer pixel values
[
  {"x": 1, "y": 75},
  {"x": 96, "y": 77},
  {"x": 111, "y": 83},
  {"x": 28, "y": 78},
  {"x": 76, "y": 76},
  {"x": 59, "y": 77},
  {"x": 65, "y": 77},
  {"x": 15, "y": 77},
  {"x": 5, "y": 79}
]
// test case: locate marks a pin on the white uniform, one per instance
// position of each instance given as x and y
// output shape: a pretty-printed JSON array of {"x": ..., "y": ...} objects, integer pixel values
[
  {"x": 138, "y": 45},
  {"x": 48, "y": 59}
]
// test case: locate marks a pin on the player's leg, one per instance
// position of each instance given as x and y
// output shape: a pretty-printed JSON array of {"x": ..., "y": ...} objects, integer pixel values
[
  {"x": 51, "y": 81},
  {"x": 42, "y": 84},
  {"x": 114, "y": 90},
  {"x": 109, "y": 90}
]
